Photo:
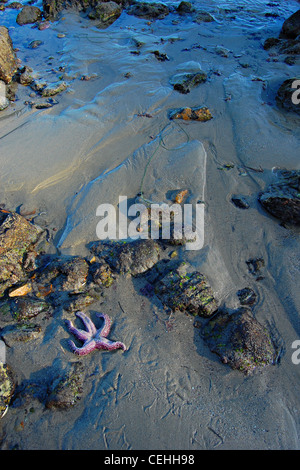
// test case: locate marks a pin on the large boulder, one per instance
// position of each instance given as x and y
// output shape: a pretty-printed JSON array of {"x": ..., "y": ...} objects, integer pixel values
[
  {"x": 148, "y": 10},
  {"x": 18, "y": 238},
  {"x": 28, "y": 15},
  {"x": 240, "y": 340},
  {"x": 8, "y": 61},
  {"x": 106, "y": 13},
  {"x": 291, "y": 27}
]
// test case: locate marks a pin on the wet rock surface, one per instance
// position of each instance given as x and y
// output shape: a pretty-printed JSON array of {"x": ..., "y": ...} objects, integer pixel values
[
  {"x": 66, "y": 390},
  {"x": 8, "y": 60},
  {"x": 291, "y": 26},
  {"x": 183, "y": 82},
  {"x": 186, "y": 290},
  {"x": 282, "y": 198},
  {"x": 191, "y": 114},
  {"x": 129, "y": 258},
  {"x": 29, "y": 14},
  {"x": 7, "y": 387},
  {"x": 18, "y": 239},
  {"x": 105, "y": 13},
  {"x": 240, "y": 340},
  {"x": 148, "y": 10}
]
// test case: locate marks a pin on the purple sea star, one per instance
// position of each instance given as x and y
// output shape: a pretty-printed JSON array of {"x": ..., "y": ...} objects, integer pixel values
[{"x": 93, "y": 338}]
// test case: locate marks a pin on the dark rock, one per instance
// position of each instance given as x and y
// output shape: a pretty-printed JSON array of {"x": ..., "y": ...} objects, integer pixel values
[
  {"x": 255, "y": 265},
  {"x": 291, "y": 26},
  {"x": 285, "y": 94},
  {"x": 290, "y": 46},
  {"x": 34, "y": 44},
  {"x": 191, "y": 114},
  {"x": 15, "y": 5},
  {"x": 64, "y": 392},
  {"x": 129, "y": 258},
  {"x": 20, "y": 332},
  {"x": 282, "y": 199},
  {"x": 203, "y": 17},
  {"x": 24, "y": 308},
  {"x": 270, "y": 42},
  {"x": 53, "y": 89},
  {"x": 160, "y": 56},
  {"x": 7, "y": 387},
  {"x": 25, "y": 76},
  {"x": 18, "y": 238},
  {"x": 186, "y": 290},
  {"x": 183, "y": 82},
  {"x": 185, "y": 7},
  {"x": 290, "y": 60},
  {"x": 239, "y": 340},
  {"x": 75, "y": 273},
  {"x": 106, "y": 12},
  {"x": 246, "y": 296},
  {"x": 148, "y": 10},
  {"x": 28, "y": 15},
  {"x": 240, "y": 202},
  {"x": 8, "y": 61}
]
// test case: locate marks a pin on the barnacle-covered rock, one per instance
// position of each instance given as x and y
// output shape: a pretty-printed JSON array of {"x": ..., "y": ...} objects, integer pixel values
[
  {"x": 7, "y": 387},
  {"x": 66, "y": 390},
  {"x": 8, "y": 60},
  {"x": 239, "y": 340},
  {"x": 186, "y": 290},
  {"x": 18, "y": 237}
]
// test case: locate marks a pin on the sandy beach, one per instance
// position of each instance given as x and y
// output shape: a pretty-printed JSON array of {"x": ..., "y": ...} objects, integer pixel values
[{"x": 168, "y": 390}]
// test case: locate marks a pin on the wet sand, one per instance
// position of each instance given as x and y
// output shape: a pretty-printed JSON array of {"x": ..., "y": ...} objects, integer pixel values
[{"x": 167, "y": 391}]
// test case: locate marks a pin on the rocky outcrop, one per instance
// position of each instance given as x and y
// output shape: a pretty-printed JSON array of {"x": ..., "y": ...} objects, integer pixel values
[
  {"x": 28, "y": 15},
  {"x": 105, "y": 13},
  {"x": 8, "y": 61},
  {"x": 148, "y": 11},
  {"x": 291, "y": 27},
  {"x": 240, "y": 340},
  {"x": 282, "y": 199},
  {"x": 7, "y": 387},
  {"x": 18, "y": 240},
  {"x": 186, "y": 290}
]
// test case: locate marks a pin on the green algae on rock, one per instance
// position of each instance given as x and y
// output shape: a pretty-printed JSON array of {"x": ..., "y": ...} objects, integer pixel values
[
  {"x": 106, "y": 12},
  {"x": 239, "y": 340},
  {"x": 66, "y": 390},
  {"x": 186, "y": 290},
  {"x": 7, "y": 387},
  {"x": 18, "y": 237}
]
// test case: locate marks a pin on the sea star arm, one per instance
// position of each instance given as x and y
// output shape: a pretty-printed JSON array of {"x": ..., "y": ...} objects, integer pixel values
[
  {"x": 80, "y": 334},
  {"x": 87, "y": 323},
  {"x": 88, "y": 347},
  {"x": 105, "y": 329},
  {"x": 104, "y": 343}
]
